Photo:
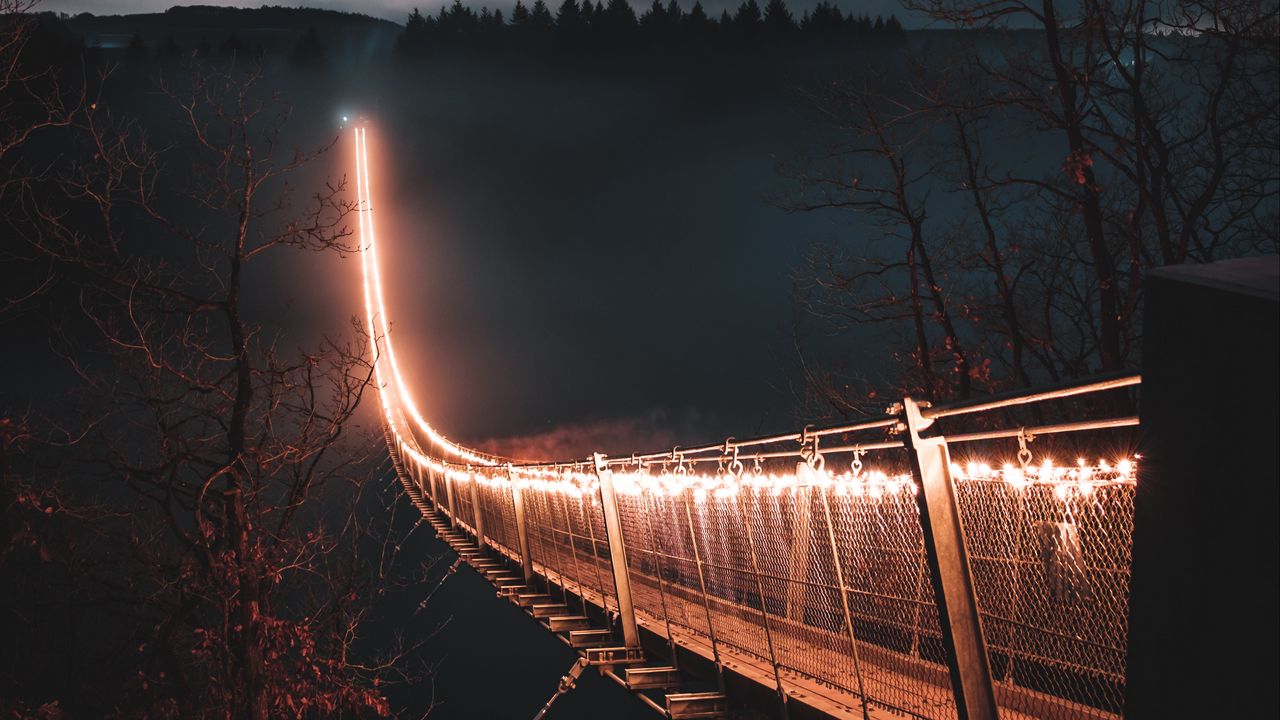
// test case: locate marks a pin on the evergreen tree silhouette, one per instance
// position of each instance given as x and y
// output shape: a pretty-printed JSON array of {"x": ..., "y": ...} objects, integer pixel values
[
  {"x": 540, "y": 21},
  {"x": 825, "y": 20},
  {"x": 674, "y": 12},
  {"x": 653, "y": 19},
  {"x": 659, "y": 25},
  {"x": 747, "y": 20},
  {"x": 744, "y": 28},
  {"x": 416, "y": 24},
  {"x": 696, "y": 23},
  {"x": 611, "y": 25},
  {"x": 572, "y": 23},
  {"x": 777, "y": 18},
  {"x": 569, "y": 17},
  {"x": 492, "y": 24},
  {"x": 520, "y": 16},
  {"x": 861, "y": 24},
  {"x": 414, "y": 40},
  {"x": 457, "y": 22},
  {"x": 619, "y": 17}
]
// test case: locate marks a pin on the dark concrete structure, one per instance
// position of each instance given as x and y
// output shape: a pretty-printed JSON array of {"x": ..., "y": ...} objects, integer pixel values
[{"x": 1203, "y": 636}]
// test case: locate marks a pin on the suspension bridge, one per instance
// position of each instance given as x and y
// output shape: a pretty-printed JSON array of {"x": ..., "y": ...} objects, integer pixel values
[{"x": 926, "y": 563}]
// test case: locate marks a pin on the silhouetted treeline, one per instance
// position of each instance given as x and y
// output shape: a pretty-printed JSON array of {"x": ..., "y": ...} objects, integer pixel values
[
  {"x": 306, "y": 37},
  {"x": 310, "y": 38},
  {"x": 614, "y": 24}
]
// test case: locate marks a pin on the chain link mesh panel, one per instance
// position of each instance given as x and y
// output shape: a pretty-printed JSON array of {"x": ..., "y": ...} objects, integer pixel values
[
  {"x": 462, "y": 503},
  {"x": 1051, "y": 565},
  {"x": 826, "y": 578},
  {"x": 499, "y": 516},
  {"x": 692, "y": 566}
]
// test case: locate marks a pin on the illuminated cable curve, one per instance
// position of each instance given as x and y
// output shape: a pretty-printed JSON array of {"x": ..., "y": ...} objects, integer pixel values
[
  {"x": 399, "y": 400},
  {"x": 380, "y": 328}
]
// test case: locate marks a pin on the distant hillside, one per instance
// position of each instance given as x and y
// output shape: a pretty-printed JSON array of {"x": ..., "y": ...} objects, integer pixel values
[{"x": 273, "y": 29}]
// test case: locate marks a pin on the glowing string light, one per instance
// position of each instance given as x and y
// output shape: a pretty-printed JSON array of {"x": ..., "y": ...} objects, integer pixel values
[
  {"x": 375, "y": 309},
  {"x": 875, "y": 484}
]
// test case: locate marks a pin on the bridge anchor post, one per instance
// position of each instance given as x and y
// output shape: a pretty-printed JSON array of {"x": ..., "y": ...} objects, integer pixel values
[
  {"x": 617, "y": 554},
  {"x": 952, "y": 579}
]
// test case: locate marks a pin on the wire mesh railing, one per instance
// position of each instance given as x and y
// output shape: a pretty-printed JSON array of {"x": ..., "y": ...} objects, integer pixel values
[
  {"x": 1051, "y": 568},
  {"x": 823, "y": 576},
  {"x": 783, "y": 606}
]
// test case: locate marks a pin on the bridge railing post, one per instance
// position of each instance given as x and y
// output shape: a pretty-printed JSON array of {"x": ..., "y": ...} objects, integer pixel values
[
  {"x": 477, "y": 516},
  {"x": 953, "y": 588},
  {"x": 449, "y": 498},
  {"x": 429, "y": 482},
  {"x": 522, "y": 528},
  {"x": 617, "y": 553}
]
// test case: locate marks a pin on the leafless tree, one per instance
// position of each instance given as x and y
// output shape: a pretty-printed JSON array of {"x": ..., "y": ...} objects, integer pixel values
[
  {"x": 229, "y": 474},
  {"x": 882, "y": 167},
  {"x": 1168, "y": 114},
  {"x": 1126, "y": 135},
  {"x": 32, "y": 97}
]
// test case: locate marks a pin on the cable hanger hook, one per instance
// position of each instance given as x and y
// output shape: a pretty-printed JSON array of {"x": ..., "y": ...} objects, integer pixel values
[
  {"x": 729, "y": 459},
  {"x": 1024, "y": 453},
  {"x": 856, "y": 465},
  {"x": 809, "y": 449}
]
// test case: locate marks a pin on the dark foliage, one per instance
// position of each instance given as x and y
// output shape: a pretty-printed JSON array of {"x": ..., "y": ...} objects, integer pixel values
[{"x": 614, "y": 26}]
